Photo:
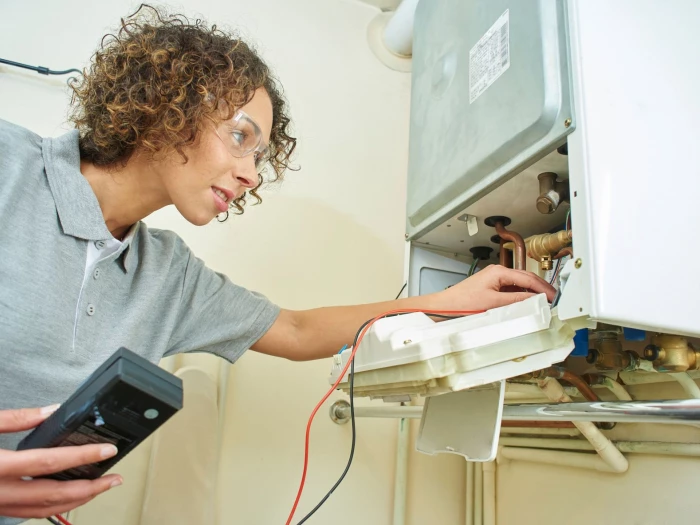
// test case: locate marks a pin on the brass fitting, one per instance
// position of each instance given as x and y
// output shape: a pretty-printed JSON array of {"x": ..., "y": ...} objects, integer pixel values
[
  {"x": 545, "y": 245},
  {"x": 606, "y": 351},
  {"x": 609, "y": 355},
  {"x": 672, "y": 353},
  {"x": 552, "y": 193},
  {"x": 546, "y": 263}
]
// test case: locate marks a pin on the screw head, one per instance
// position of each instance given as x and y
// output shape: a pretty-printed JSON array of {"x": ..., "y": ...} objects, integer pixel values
[
  {"x": 405, "y": 236},
  {"x": 567, "y": 123},
  {"x": 578, "y": 263}
]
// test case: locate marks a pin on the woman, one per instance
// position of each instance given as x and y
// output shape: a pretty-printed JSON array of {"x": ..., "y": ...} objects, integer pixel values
[{"x": 170, "y": 112}]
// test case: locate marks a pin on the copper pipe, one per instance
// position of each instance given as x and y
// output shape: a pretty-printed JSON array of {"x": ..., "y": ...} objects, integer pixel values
[
  {"x": 558, "y": 372},
  {"x": 519, "y": 263},
  {"x": 537, "y": 424},
  {"x": 564, "y": 252},
  {"x": 573, "y": 379},
  {"x": 504, "y": 256},
  {"x": 576, "y": 381},
  {"x": 585, "y": 390}
]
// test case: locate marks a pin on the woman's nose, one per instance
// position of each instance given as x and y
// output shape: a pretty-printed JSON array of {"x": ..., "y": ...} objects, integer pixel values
[{"x": 247, "y": 174}]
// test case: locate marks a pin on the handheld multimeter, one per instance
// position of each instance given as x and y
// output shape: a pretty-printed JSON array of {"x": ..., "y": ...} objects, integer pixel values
[{"x": 123, "y": 402}]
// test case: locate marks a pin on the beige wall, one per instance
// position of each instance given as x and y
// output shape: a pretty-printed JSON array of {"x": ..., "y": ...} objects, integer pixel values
[
  {"x": 331, "y": 234},
  {"x": 655, "y": 491}
]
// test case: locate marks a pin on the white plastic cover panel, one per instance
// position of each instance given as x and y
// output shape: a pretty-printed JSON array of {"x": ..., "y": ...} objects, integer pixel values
[
  {"x": 633, "y": 170},
  {"x": 414, "y": 355},
  {"x": 467, "y": 423}
]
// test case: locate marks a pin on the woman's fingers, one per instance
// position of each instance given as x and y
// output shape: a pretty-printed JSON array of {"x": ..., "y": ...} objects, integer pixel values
[
  {"x": 43, "y": 461},
  {"x": 527, "y": 280},
  {"x": 23, "y": 418},
  {"x": 49, "y": 495}
]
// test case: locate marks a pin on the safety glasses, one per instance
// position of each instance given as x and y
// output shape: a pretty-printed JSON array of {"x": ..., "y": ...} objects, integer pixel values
[{"x": 242, "y": 137}]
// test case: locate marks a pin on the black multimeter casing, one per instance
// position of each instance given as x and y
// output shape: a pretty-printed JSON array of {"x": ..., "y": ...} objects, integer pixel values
[{"x": 123, "y": 402}]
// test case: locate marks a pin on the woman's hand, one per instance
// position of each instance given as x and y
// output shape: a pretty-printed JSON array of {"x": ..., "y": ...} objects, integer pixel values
[
  {"x": 492, "y": 287},
  {"x": 22, "y": 497}
]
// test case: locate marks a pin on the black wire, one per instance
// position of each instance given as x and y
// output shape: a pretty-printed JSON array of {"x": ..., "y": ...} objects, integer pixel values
[
  {"x": 55, "y": 522},
  {"x": 352, "y": 420},
  {"x": 401, "y": 291},
  {"x": 352, "y": 448},
  {"x": 352, "y": 413},
  {"x": 39, "y": 69}
]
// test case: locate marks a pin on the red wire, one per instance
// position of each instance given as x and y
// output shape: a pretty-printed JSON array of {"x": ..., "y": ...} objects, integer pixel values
[
  {"x": 62, "y": 519},
  {"x": 340, "y": 378}
]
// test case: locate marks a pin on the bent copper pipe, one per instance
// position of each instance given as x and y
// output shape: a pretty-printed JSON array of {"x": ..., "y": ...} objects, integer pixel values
[
  {"x": 558, "y": 372},
  {"x": 571, "y": 378},
  {"x": 574, "y": 380},
  {"x": 515, "y": 238},
  {"x": 580, "y": 384},
  {"x": 504, "y": 256}
]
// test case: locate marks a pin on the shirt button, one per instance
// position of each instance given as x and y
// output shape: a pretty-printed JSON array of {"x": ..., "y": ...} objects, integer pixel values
[
  {"x": 90, "y": 309},
  {"x": 99, "y": 244},
  {"x": 96, "y": 273}
]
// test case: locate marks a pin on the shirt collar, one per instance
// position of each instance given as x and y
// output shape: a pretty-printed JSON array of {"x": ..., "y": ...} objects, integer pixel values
[
  {"x": 78, "y": 210},
  {"x": 130, "y": 256}
]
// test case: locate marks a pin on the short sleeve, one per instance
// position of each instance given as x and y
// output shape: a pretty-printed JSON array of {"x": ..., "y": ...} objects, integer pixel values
[{"x": 217, "y": 316}]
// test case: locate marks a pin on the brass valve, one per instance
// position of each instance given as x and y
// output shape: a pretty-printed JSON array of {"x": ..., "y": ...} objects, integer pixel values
[
  {"x": 545, "y": 244},
  {"x": 606, "y": 351},
  {"x": 539, "y": 246},
  {"x": 672, "y": 353},
  {"x": 552, "y": 193}
]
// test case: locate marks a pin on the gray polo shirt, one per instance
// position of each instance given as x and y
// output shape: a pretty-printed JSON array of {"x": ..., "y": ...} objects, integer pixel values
[{"x": 71, "y": 294}]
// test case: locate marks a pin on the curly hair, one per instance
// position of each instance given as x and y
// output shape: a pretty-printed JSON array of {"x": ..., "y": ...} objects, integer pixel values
[{"x": 152, "y": 85}]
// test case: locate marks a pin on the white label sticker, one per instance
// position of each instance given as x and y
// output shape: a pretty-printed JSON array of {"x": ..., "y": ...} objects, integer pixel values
[{"x": 489, "y": 58}]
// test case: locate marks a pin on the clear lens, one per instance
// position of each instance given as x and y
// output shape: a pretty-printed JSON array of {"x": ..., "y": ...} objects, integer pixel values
[
  {"x": 242, "y": 136},
  {"x": 261, "y": 158}
]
